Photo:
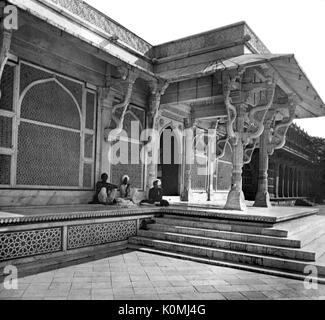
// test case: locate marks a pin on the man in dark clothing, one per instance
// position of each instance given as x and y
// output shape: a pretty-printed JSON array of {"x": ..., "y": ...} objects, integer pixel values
[
  {"x": 155, "y": 196},
  {"x": 105, "y": 191}
]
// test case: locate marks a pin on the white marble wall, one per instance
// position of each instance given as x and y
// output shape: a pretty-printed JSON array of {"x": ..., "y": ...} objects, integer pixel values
[{"x": 43, "y": 197}]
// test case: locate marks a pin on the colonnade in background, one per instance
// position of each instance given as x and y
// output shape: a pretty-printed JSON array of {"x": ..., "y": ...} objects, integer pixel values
[{"x": 292, "y": 181}]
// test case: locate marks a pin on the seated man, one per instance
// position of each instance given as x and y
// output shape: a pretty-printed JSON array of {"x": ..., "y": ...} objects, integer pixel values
[
  {"x": 128, "y": 195},
  {"x": 155, "y": 196},
  {"x": 125, "y": 187},
  {"x": 105, "y": 192}
]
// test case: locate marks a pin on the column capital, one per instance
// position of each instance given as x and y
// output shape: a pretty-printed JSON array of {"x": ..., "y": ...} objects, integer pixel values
[
  {"x": 189, "y": 123},
  {"x": 244, "y": 105},
  {"x": 158, "y": 87},
  {"x": 128, "y": 73}
]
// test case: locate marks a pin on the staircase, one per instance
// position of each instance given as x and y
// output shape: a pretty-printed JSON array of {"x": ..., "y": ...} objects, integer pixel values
[
  {"x": 304, "y": 203},
  {"x": 283, "y": 250}
]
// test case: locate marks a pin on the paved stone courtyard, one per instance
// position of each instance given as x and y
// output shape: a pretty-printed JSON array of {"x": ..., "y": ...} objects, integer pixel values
[{"x": 143, "y": 276}]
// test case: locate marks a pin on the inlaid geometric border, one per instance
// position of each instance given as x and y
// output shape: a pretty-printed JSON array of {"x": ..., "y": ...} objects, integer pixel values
[
  {"x": 14, "y": 245},
  {"x": 100, "y": 233}
]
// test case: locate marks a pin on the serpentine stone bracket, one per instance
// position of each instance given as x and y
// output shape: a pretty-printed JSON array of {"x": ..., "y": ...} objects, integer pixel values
[
  {"x": 278, "y": 134},
  {"x": 130, "y": 76},
  {"x": 5, "y": 42},
  {"x": 221, "y": 147},
  {"x": 254, "y": 118},
  {"x": 105, "y": 97},
  {"x": 257, "y": 114},
  {"x": 249, "y": 150},
  {"x": 231, "y": 110},
  {"x": 158, "y": 89}
]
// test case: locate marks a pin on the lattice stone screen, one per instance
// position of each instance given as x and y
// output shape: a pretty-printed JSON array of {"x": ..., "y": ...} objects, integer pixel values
[
  {"x": 5, "y": 162},
  {"x": 97, "y": 234},
  {"x": 90, "y": 118},
  {"x": 49, "y": 103},
  {"x": 5, "y": 132},
  {"x": 27, "y": 243},
  {"x": 56, "y": 131},
  {"x": 21, "y": 244},
  {"x": 6, "y": 123},
  {"x": 29, "y": 74},
  {"x": 6, "y": 88},
  {"x": 47, "y": 156}
]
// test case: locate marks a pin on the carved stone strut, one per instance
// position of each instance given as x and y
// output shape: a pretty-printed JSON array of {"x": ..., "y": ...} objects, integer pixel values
[
  {"x": 245, "y": 125},
  {"x": 270, "y": 140},
  {"x": 130, "y": 77},
  {"x": 158, "y": 89},
  {"x": 278, "y": 134}
]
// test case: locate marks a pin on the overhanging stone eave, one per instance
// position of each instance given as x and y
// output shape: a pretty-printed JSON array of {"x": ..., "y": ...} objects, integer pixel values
[
  {"x": 292, "y": 80},
  {"x": 64, "y": 9},
  {"x": 209, "y": 68},
  {"x": 94, "y": 38}
]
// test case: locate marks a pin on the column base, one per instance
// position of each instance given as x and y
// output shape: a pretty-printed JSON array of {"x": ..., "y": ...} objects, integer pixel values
[
  {"x": 186, "y": 195},
  {"x": 236, "y": 201},
  {"x": 262, "y": 200}
]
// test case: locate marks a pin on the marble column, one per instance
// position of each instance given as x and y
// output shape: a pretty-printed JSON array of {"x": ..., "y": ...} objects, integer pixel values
[
  {"x": 186, "y": 194},
  {"x": 158, "y": 89},
  {"x": 236, "y": 198},
  {"x": 297, "y": 182},
  {"x": 262, "y": 198},
  {"x": 276, "y": 180},
  {"x": 287, "y": 182},
  {"x": 302, "y": 177},
  {"x": 290, "y": 191},
  {"x": 281, "y": 181},
  {"x": 211, "y": 157},
  {"x": 106, "y": 107},
  {"x": 113, "y": 132},
  {"x": 245, "y": 125}
]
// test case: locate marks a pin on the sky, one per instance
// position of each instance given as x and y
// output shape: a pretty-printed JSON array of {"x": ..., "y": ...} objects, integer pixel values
[{"x": 285, "y": 26}]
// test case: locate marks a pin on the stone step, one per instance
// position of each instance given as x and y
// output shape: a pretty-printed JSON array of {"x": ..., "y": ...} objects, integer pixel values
[
  {"x": 240, "y": 266},
  {"x": 222, "y": 226},
  {"x": 317, "y": 246},
  {"x": 309, "y": 235},
  {"x": 296, "y": 226},
  {"x": 260, "y": 249},
  {"x": 217, "y": 219},
  {"x": 262, "y": 261},
  {"x": 306, "y": 230},
  {"x": 227, "y": 235},
  {"x": 304, "y": 203}
]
